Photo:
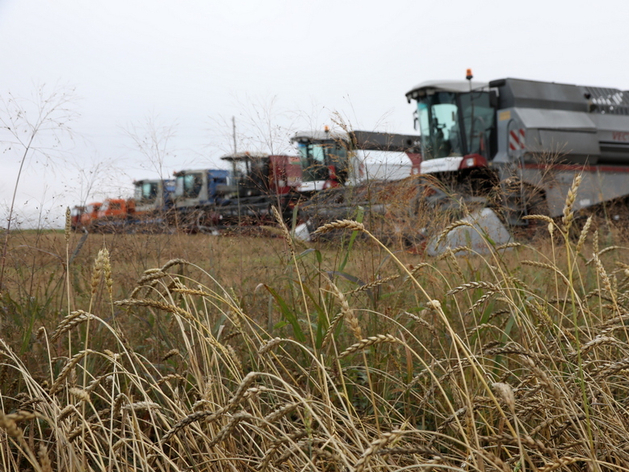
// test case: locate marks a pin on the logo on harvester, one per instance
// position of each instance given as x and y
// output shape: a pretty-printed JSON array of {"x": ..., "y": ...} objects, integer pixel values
[{"x": 516, "y": 139}]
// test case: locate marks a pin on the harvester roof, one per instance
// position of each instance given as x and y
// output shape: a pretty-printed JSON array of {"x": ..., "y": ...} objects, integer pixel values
[
  {"x": 308, "y": 136},
  {"x": 456, "y": 86},
  {"x": 244, "y": 156}
]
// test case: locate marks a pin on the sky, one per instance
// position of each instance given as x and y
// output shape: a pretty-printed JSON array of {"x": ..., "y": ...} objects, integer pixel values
[{"x": 138, "y": 89}]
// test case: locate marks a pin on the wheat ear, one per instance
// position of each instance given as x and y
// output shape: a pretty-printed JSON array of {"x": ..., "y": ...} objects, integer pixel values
[
  {"x": 568, "y": 214},
  {"x": 370, "y": 341},
  {"x": 340, "y": 224},
  {"x": 373, "y": 448}
]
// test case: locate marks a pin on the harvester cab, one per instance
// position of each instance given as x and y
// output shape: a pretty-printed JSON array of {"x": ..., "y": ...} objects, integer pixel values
[
  {"x": 457, "y": 125},
  {"x": 358, "y": 170},
  {"x": 325, "y": 161},
  {"x": 153, "y": 195},
  {"x": 75, "y": 216},
  {"x": 194, "y": 188},
  {"x": 210, "y": 200},
  {"x": 256, "y": 174}
]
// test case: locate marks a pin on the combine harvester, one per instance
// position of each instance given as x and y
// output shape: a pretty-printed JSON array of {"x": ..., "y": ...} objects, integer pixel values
[
  {"x": 515, "y": 146},
  {"x": 154, "y": 205},
  {"x": 357, "y": 171},
  {"x": 353, "y": 157},
  {"x": 211, "y": 200},
  {"x": 75, "y": 217}
]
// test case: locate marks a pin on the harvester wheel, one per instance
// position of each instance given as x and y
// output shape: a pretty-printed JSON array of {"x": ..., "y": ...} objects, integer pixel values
[{"x": 206, "y": 222}]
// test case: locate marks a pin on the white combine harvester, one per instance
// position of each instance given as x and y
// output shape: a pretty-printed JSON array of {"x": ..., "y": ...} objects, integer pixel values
[{"x": 350, "y": 168}]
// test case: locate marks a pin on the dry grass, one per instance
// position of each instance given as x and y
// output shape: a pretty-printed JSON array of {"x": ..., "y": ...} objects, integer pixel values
[{"x": 207, "y": 353}]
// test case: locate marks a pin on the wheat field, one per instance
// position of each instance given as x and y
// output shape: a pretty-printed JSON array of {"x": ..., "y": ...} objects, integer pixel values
[{"x": 195, "y": 352}]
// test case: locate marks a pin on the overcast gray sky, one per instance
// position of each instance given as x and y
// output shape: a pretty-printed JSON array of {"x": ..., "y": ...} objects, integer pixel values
[{"x": 188, "y": 66}]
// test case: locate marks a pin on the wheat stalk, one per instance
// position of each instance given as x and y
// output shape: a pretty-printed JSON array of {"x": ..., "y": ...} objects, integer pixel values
[
  {"x": 208, "y": 416},
  {"x": 333, "y": 324},
  {"x": 156, "y": 304},
  {"x": 68, "y": 227},
  {"x": 584, "y": 234},
  {"x": 544, "y": 218},
  {"x": 285, "y": 232},
  {"x": 44, "y": 460},
  {"x": 171, "y": 353},
  {"x": 280, "y": 412},
  {"x": 347, "y": 313},
  {"x": 229, "y": 428},
  {"x": 559, "y": 463},
  {"x": 267, "y": 346},
  {"x": 70, "y": 321}
]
